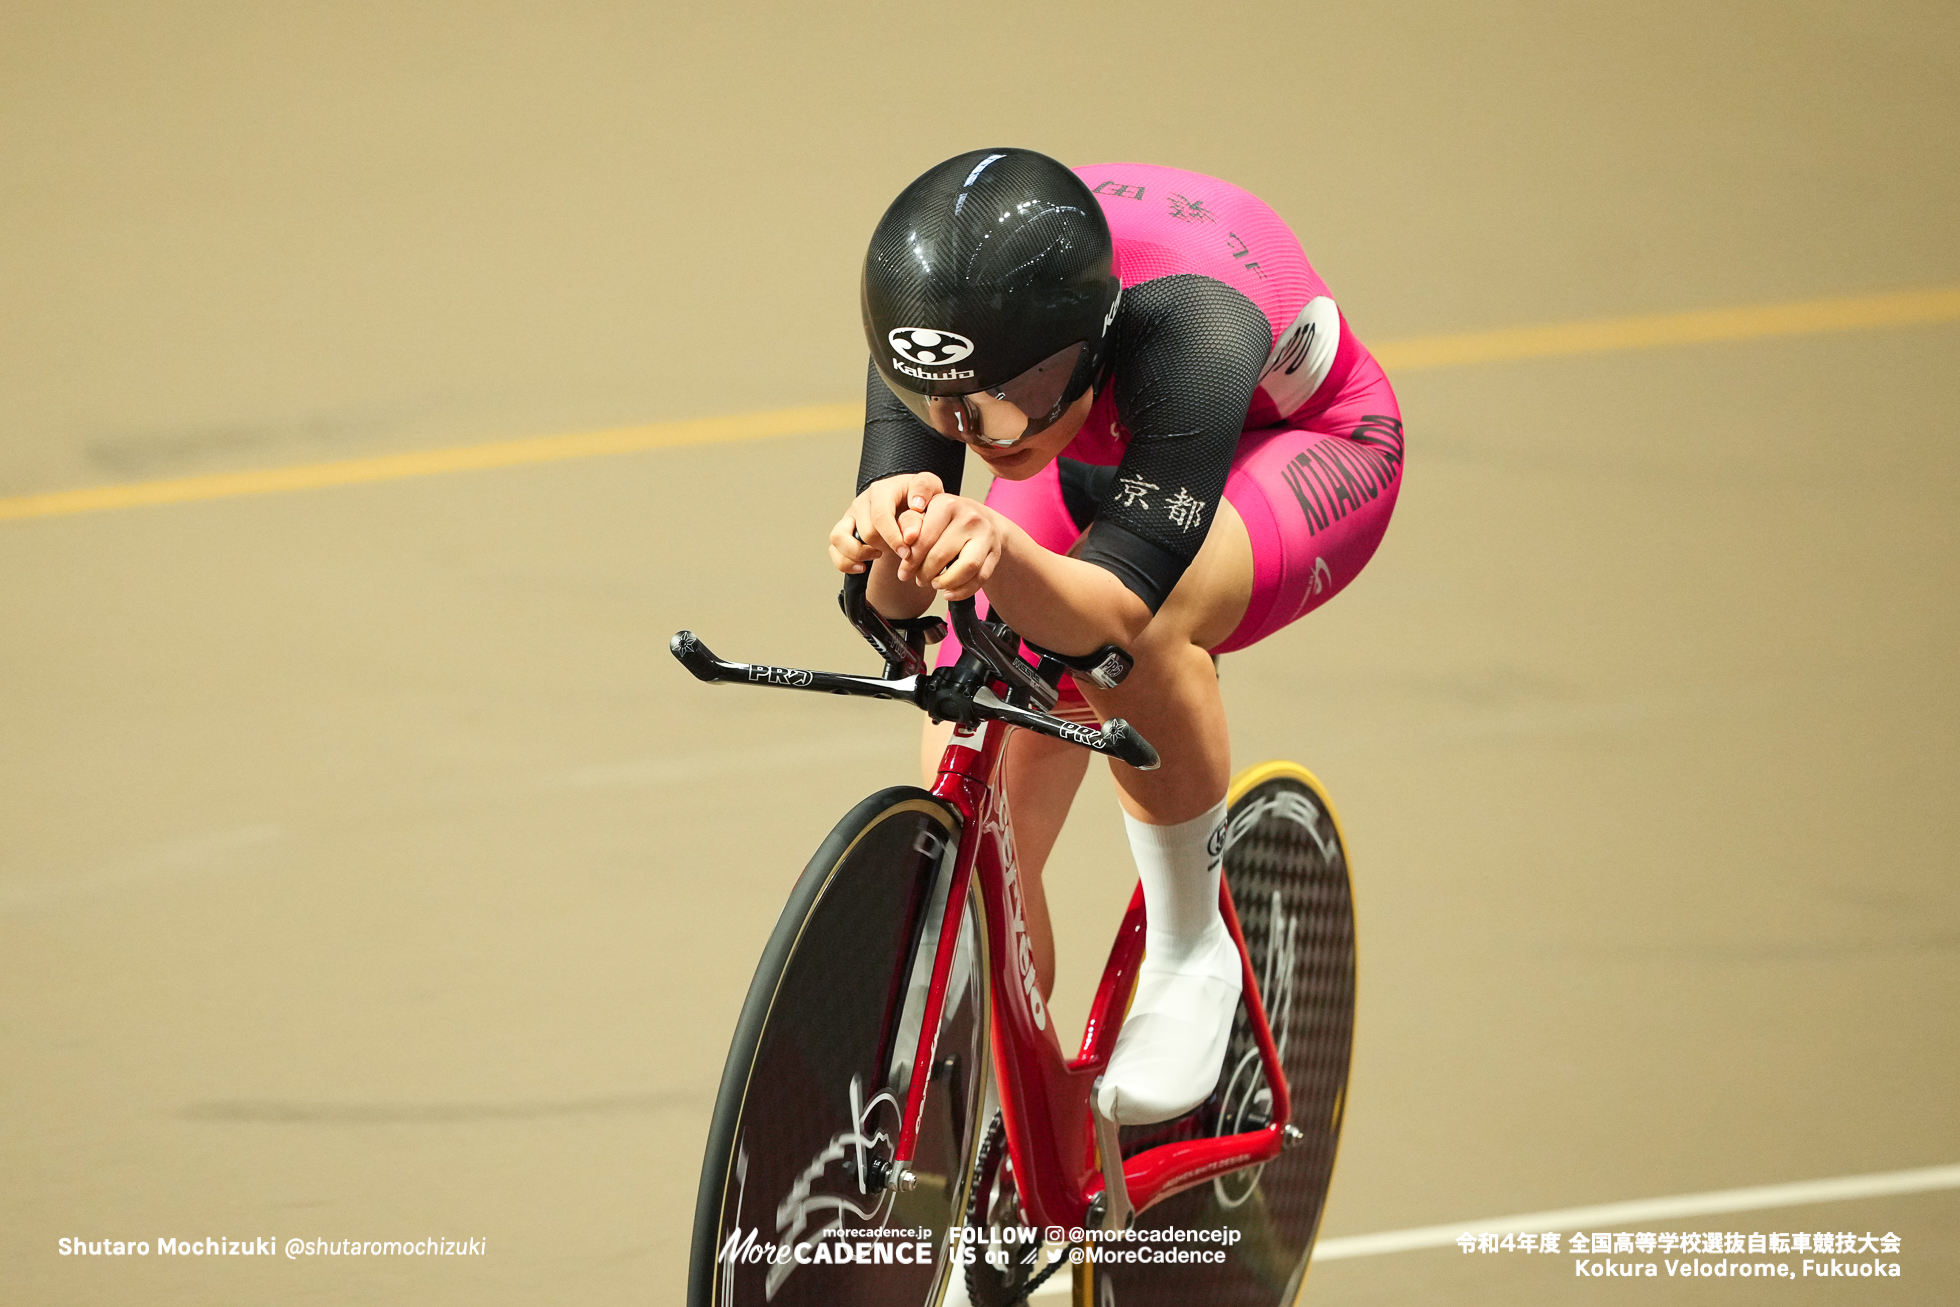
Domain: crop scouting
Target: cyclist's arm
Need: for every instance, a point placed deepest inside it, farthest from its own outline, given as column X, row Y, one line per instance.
column 1062, row 603
column 896, row 441
column 1189, row 353
column 902, row 463
column 961, row 545
column 1190, row 350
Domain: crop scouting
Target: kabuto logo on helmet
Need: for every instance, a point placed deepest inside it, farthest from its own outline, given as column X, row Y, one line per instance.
column 926, row 346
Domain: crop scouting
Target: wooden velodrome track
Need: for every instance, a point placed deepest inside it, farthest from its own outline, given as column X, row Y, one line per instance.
column 367, row 871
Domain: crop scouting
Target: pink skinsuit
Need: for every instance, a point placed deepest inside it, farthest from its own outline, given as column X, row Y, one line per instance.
column 1316, row 474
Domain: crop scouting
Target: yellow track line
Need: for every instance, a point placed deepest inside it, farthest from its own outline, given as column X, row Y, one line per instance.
column 1651, row 331
column 806, row 420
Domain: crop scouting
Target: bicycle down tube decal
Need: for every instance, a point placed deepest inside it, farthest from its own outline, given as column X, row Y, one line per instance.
column 1019, row 947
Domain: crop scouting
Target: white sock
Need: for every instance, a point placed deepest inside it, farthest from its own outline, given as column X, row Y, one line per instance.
column 1173, row 1041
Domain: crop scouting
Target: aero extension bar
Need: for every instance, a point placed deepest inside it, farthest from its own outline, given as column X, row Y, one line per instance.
column 964, row 692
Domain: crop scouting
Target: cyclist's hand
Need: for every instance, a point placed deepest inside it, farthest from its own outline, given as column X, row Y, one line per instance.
column 956, row 546
column 886, row 518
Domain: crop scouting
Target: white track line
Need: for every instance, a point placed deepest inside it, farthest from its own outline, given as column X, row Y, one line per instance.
column 1759, row 1198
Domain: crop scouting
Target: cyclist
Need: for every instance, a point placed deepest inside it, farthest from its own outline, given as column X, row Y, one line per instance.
column 1190, row 450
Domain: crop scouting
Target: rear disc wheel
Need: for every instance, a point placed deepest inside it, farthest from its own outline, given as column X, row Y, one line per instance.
column 1287, row 867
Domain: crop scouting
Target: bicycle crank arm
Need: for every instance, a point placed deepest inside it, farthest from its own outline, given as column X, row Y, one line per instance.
column 1117, row 738
column 1114, row 1201
column 701, row 660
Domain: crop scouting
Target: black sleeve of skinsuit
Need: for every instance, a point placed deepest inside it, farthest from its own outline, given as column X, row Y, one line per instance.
column 895, row 441
column 1189, row 350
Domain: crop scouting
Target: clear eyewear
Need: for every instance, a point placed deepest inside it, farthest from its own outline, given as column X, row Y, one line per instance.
column 1002, row 416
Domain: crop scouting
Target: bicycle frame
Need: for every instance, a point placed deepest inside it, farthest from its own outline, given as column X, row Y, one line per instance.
column 1044, row 1096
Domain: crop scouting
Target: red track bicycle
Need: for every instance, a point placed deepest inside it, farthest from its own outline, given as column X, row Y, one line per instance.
column 854, row 1156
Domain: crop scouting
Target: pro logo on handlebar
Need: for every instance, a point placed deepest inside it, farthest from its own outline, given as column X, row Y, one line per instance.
column 794, row 677
column 1081, row 735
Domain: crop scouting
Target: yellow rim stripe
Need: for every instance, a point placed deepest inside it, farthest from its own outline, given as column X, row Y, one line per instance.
column 1261, row 772
column 1705, row 326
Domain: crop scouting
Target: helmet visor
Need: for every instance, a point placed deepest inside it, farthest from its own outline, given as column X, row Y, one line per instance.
column 1009, row 413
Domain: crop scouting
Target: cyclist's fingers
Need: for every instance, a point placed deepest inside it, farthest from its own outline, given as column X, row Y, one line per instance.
column 866, row 517
column 964, row 523
column 921, row 531
column 884, row 499
column 848, row 552
column 943, row 530
column 855, row 530
column 970, row 571
column 922, row 489
column 910, row 525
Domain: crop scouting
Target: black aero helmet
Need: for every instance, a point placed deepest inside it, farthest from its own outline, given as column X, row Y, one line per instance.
column 988, row 294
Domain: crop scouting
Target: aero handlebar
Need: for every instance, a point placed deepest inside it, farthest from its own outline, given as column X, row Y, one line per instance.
column 964, row 692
